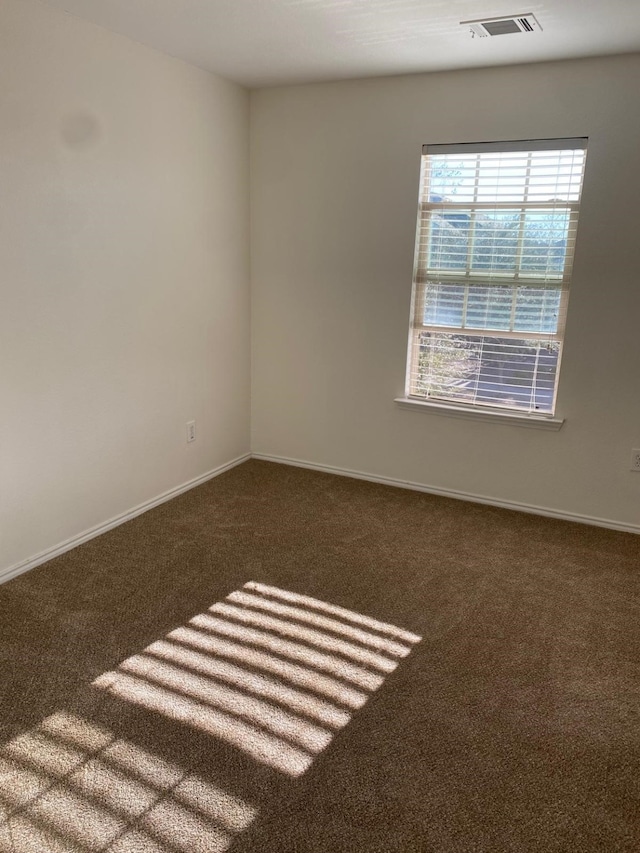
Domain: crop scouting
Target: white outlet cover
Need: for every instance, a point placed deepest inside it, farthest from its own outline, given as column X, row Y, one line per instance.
column 635, row 459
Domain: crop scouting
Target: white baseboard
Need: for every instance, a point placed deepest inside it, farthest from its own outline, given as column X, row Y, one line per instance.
column 50, row 553
column 450, row 493
column 57, row 550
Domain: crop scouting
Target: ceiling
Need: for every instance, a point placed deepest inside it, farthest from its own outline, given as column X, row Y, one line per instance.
column 270, row 42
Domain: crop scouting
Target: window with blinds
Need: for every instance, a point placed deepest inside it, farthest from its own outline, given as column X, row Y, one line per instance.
column 494, row 249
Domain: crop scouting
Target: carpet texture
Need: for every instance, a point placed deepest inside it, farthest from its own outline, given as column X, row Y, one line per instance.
column 283, row 660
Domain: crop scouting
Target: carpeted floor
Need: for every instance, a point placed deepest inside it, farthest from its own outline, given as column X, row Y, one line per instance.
column 508, row 722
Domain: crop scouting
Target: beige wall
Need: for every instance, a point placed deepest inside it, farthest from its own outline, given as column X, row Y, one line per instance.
column 334, row 192
column 124, row 308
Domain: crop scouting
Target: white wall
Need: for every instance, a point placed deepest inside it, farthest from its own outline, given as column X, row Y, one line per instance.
column 334, row 193
column 124, row 309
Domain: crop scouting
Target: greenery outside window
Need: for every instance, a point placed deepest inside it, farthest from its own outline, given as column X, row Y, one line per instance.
column 494, row 250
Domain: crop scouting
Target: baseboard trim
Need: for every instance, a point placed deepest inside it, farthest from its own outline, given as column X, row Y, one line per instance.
column 92, row 533
column 451, row 493
column 99, row 529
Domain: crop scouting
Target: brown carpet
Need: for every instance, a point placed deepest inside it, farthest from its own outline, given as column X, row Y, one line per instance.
column 512, row 725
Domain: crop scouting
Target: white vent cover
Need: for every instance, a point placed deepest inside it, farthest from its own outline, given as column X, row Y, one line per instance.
column 525, row 23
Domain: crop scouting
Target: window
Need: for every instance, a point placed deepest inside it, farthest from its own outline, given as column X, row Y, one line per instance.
column 494, row 249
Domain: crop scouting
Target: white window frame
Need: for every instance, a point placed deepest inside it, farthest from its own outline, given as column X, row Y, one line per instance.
column 422, row 274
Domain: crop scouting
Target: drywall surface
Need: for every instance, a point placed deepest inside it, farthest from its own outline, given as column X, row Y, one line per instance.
column 123, row 274
column 334, row 197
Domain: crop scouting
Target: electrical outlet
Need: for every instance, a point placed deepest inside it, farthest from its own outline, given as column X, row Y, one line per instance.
column 635, row 459
column 191, row 433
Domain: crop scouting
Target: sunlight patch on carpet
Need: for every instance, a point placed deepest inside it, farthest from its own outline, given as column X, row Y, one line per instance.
column 72, row 786
column 272, row 672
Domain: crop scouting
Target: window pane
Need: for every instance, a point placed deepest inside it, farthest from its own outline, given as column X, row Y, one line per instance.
column 447, row 366
column 493, row 371
column 544, row 245
column 537, row 310
column 502, row 177
column 489, row 308
column 452, row 178
column 444, row 304
column 504, row 307
column 495, row 241
column 556, row 175
column 449, row 240
column 507, row 176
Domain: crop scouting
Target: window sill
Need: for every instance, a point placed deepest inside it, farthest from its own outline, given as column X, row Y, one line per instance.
column 492, row 416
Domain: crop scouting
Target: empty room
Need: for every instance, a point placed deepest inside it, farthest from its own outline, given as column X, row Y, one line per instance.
column 319, row 426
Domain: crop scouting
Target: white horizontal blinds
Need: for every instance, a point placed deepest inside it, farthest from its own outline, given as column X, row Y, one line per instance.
column 496, row 234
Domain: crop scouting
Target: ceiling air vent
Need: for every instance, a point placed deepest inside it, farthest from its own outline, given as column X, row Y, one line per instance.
column 526, row 23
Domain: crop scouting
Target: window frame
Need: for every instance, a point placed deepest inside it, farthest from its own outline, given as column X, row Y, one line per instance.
column 468, row 278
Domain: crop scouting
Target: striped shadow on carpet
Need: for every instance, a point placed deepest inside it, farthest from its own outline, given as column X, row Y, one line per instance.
column 272, row 673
